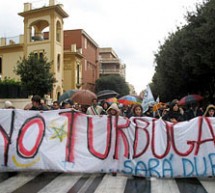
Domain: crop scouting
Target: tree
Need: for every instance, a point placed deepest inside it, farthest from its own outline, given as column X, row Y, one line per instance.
column 112, row 82
column 185, row 62
column 35, row 74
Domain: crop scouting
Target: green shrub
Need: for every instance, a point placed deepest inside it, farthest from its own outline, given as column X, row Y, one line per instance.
column 11, row 88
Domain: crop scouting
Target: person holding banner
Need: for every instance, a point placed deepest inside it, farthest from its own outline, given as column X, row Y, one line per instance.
column 113, row 110
column 105, row 105
column 174, row 114
column 94, row 109
column 55, row 105
column 210, row 111
column 37, row 105
column 8, row 105
column 149, row 112
column 137, row 110
column 193, row 110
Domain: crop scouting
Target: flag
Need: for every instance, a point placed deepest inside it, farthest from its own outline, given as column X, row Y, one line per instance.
column 158, row 99
column 148, row 99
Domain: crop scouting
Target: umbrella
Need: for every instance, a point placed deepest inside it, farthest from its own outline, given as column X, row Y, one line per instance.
column 105, row 94
column 128, row 100
column 112, row 100
column 66, row 95
column 83, row 97
column 189, row 99
column 138, row 98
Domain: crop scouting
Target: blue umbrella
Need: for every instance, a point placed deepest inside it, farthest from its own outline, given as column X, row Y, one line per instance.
column 67, row 95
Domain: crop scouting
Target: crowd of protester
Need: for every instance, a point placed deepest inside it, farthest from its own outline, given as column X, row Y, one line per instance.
column 172, row 112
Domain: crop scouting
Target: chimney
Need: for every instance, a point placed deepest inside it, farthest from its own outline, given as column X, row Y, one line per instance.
column 3, row 42
column 27, row 6
column 51, row 2
column 80, row 50
column 73, row 47
column 21, row 39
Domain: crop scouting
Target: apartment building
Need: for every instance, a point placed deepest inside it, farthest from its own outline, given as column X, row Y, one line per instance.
column 80, row 41
column 110, row 64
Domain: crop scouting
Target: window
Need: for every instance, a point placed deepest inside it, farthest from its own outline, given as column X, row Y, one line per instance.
column 78, row 75
column 85, row 65
column 85, row 43
column 58, row 62
column 58, row 95
column 58, row 32
column 39, row 54
column 36, row 54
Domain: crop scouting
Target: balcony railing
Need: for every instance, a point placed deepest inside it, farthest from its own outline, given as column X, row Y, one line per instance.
column 110, row 60
column 112, row 71
column 12, row 40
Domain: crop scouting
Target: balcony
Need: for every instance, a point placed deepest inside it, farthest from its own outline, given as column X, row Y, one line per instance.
column 110, row 60
column 110, row 71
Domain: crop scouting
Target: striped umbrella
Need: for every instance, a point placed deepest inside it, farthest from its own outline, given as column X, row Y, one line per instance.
column 128, row 100
column 112, row 100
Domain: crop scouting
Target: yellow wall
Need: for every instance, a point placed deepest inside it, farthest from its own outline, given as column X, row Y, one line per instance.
column 70, row 71
column 9, row 61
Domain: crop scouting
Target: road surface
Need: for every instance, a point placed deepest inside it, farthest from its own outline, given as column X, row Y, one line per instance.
column 50, row 182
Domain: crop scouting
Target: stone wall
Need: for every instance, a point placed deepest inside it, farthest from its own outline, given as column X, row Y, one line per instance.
column 17, row 103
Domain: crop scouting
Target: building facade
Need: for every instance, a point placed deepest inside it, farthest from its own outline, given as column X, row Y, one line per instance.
column 80, row 41
column 110, row 64
column 74, row 53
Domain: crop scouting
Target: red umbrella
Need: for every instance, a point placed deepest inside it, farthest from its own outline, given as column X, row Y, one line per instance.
column 83, row 97
column 189, row 99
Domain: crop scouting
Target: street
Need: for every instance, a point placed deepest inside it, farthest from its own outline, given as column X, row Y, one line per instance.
column 48, row 182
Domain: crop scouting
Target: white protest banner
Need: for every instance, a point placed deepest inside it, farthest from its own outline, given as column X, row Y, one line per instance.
column 69, row 141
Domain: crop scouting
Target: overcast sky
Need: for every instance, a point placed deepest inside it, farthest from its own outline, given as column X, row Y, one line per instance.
column 133, row 28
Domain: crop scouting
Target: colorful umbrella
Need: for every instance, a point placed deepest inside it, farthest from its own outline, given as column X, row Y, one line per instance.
column 83, row 97
column 112, row 100
column 128, row 100
column 138, row 98
column 189, row 99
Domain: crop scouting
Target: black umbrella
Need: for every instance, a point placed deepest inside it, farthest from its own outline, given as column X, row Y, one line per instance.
column 105, row 94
